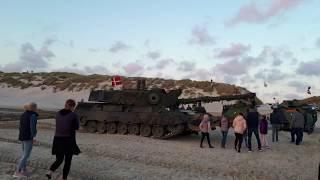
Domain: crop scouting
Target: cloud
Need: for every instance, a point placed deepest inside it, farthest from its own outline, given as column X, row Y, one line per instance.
column 301, row 87
column 201, row 36
column 186, row 66
column 30, row 58
column 133, row 68
column 250, row 13
column 235, row 50
column 153, row 54
column 94, row 50
column 291, row 96
column 200, row 74
column 163, row 63
column 310, row 68
column 229, row 79
column 95, row 69
column 276, row 62
column 118, row 46
column 318, row 42
column 271, row 75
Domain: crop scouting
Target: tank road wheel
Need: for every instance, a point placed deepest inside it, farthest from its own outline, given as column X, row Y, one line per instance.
column 111, row 128
column 134, row 129
column 122, row 128
column 154, row 98
column 92, row 126
column 157, row 131
column 145, row 130
column 101, row 127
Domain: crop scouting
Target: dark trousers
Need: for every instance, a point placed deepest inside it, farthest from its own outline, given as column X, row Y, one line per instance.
column 296, row 135
column 224, row 138
column 58, row 162
column 203, row 134
column 256, row 133
column 238, row 141
column 275, row 132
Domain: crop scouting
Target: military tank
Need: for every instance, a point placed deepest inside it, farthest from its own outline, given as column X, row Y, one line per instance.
column 146, row 112
column 287, row 108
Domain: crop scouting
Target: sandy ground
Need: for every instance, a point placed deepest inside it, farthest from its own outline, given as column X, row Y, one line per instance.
column 133, row 157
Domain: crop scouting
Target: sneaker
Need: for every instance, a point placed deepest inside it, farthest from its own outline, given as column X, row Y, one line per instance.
column 260, row 150
column 249, row 151
column 18, row 175
column 48, row 175
column 211, row 146
column 201, row 146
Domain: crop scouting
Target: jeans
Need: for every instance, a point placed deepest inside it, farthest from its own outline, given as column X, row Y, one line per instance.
column 275, row 131
column 202, row 138
column 296, row 132
column 224, row 138
column 238, row 141
column 58, row 162
column 26, row 151
column 245, row 136
column 256, row 133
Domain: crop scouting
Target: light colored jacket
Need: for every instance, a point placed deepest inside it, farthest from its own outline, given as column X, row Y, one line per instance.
column 205, row 126
column 239, row 124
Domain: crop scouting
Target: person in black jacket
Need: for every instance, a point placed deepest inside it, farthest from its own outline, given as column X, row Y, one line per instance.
column 64, row 142
column 27, row 133
column 253, row 124
column 276, row 119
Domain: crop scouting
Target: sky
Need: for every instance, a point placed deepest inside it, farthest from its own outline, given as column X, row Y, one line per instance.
column 248, row 43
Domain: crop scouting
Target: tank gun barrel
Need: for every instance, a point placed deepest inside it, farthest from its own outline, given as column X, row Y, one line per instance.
column 208, row 99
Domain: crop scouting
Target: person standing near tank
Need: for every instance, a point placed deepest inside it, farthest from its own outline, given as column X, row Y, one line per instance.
column 64, row 142
column 27, row 133
column 253, row 124
column 239, row 126
column 276, row 119
column 204, row 129
column 224, row 126
column 297, row 126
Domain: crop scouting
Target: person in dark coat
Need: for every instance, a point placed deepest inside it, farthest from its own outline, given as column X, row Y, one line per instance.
column 64, row 142
column 276, row 119
column 297, row 126
column 27, row 133
column 253, row 124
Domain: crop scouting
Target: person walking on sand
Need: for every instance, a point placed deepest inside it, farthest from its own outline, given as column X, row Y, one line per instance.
column 297, row 126
column 239, row 126
column 224, row 126
column 253, row 124
column 205, row 128
column 263, row 132
column 64, row 142
column 276, row 119
column 27, row 133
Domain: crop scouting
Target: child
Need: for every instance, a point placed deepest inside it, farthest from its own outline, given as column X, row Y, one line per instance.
column 239, row 126
column 264, row 132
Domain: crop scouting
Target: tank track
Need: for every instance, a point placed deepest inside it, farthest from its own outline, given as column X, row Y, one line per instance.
column 169, row 131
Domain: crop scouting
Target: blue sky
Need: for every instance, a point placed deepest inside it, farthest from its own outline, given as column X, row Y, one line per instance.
column 242, row 42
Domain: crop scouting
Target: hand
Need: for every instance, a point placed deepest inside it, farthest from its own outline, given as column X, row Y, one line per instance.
column 35, row 142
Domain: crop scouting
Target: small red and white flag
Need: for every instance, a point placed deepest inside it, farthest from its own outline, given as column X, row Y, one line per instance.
column 117, row 82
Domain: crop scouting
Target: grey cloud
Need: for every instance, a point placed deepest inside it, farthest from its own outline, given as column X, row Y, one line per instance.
column 229, row 79
column 186, row 66
column 271, row 75
column 97, row 69
column 309, row 68
column 276, row 62
column 235, row 50
column 30, row 58
column 291, row 96
column 153, row 54
column 118, row 46
column 198, row 74
column 300, row 87
column 163, row 63
column 201, row 36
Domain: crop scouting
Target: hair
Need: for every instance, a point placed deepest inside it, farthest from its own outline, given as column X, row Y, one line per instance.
column 71, row 103
column 241, row 114
column 32, row 106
